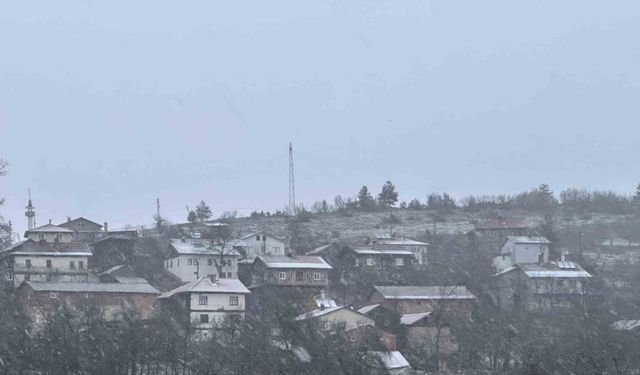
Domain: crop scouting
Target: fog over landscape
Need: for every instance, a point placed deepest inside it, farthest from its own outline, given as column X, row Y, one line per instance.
column 106, row 106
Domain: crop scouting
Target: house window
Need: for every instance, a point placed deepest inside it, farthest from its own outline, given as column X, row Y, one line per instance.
column 317, row 276
column 72, row 264
column 49, row 263
column 171, row 263
column 233, row 301
column 27, row 263
column 264, row 238
column 282, row 275
column 80, row 265
column 53, row 295
column 41, row 236
column 27, row 277
column 276, row 249
column 204, row 300
column 10, row 276
column 58, row 236
column 357, row 262
column 399, row 262
column 210, row 262
column 369, row 261
column 258, row 238
column 559, row 283
column 86, row 295
column 204, row 318
column 190, row 261
column 299, row 276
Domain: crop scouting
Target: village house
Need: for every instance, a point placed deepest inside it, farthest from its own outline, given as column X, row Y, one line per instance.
column 192, row 259
column 49, row 233
column 339, row 317
column 420, row 250
column 84, row 229
column 260, row 243
column 112, row 250
column 44, row 261
column 417, row 299
column 541, row 286
column 290, row 270
column 207, row 302
column 113, row 299
column 522, row 249
column 394, row 362
column 490, row 235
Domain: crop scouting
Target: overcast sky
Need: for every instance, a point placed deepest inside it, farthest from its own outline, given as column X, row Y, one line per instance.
column 106, row 105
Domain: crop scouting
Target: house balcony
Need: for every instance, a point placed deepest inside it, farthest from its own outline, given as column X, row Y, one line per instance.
column 24, row 270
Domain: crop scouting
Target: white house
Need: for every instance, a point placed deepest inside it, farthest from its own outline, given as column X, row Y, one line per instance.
column 49, row 233
column 208, row 301
column 520, row 250
column 419, row 249
column 330, row 317
column 260, row 243
column 44, row 261
column 192, row 259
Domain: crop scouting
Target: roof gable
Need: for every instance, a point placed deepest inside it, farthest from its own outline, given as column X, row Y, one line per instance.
column 81, row 223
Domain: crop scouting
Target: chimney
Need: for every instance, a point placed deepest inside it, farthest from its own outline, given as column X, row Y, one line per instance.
column 563, row 258
column 106, row 227
column 49, row 221
column 213, row 278
column 323, row 295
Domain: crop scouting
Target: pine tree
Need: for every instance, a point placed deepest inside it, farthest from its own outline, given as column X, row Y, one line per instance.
column 192, row 217
column 365, row 200
column 388, row 196
column 203, row 212
column 636, row 197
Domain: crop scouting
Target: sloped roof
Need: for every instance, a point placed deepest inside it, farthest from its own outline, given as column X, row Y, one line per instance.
column 145, row 288
column 528, row 239
column 200, row 247
column 393, row 360
column 370, row 251
column 79, row 219
column 425, row 292
column 204, row 285
column 402, row 242
column 31, row 247
column 49, row 228
column 409, row 319
column 318, row 312
column 368, row 309
column 260, row 233
column 503, row 223
column 293, row 261
column 552, row 270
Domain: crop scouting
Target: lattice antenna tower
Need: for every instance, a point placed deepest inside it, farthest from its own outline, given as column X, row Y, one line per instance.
column 292, row 185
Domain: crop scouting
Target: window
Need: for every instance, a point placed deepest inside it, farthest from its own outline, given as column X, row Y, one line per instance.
column 299, row 276
column 171, row 263
column 210, row 262
column 204, row 300
column 233, row 301
column 49, row 263
column 86, row 295
column 399, row 262
column 357, row 262
column 264, row 238
column 27, row 263
column 53, row 295
column 10, row 276
column 369, row 261
column 204, row 318
column 190, row 261
column 58, row 236
column 80, row 265
column 559, row 283
column 282, row 275
column 258, row 238
column 276, row 249
column 26, row 277
column 41, row 236
column 317, row 276
column 72, row 264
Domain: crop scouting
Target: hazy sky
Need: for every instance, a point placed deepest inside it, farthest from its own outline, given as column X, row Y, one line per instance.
column 106, row 105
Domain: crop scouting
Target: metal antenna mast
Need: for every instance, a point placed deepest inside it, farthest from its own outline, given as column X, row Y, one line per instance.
column 292, row 187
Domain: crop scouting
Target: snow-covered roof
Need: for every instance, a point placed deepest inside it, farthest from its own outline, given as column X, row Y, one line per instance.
column 528, row 239
column 367, row 309
column 145, row 288
column 402, row 242
column 37, row 248
column 245, row 237
column 425, row 292
column 318, row 312
column 393, row 360
column 205, row 285
column 294, row 261
column 200, row 247
column 370, row 251
column 626, row 325
column 325, row 302
column 49, row 228
column 552, row 270
column 409, row 319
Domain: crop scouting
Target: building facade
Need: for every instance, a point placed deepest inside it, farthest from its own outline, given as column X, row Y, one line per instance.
column 192, row 259
column 260, row 243
column 291, row 270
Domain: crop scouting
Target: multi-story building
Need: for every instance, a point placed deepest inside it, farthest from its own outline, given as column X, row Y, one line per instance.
column 490, row 235
column 44, row 261
column 290, row 270
column 260, row 243
column 49, row 233
column 85, row 229
column 207, row 302
column 192, row 259
column 522, row 249
column 418, row 299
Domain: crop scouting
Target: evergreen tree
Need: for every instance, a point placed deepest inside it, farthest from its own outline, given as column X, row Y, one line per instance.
column 203, row 211
column 192, row 217
column 365, row 200
column 388, row 196
column 636, row 197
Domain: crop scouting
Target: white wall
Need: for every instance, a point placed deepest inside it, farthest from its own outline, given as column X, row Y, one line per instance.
column 217, row 308
column 180, row 266
column 39, row 263
column 254, row 247
column 50, row 237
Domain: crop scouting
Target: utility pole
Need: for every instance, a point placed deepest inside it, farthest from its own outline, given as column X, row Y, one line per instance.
column 292, row 188
column 158, row 207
